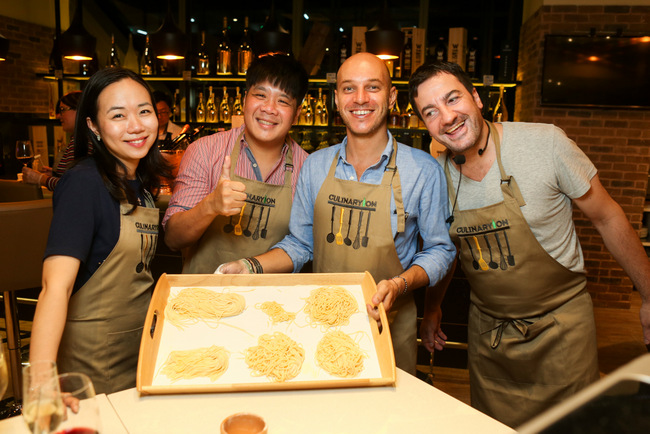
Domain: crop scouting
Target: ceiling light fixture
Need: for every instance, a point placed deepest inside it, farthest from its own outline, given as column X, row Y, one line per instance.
column 169, row 41
column 272, row 37
column 4, row 48
column 76, row 43
column 385, row 40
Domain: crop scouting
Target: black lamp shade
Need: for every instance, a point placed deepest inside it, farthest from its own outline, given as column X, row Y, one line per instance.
column 272, row 37
column 385, row 39
column 4, row 48
column 169, row 42
column 76, row 43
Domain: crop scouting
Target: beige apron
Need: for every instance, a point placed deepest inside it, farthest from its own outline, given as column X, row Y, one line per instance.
column 106, row 316
column 264, row 222
column 351, row 208
column 532, row 337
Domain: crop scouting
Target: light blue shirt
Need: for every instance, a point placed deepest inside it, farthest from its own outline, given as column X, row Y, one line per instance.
column 424, row 192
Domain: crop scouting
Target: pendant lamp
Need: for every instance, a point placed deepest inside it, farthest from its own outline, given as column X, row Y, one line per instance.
column 4, row 48
column 76, row 43
column 169, row 41
column 272, row 37
column 385, row 40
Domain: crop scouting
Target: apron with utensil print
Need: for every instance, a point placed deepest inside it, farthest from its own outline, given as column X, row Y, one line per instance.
column 106, row 315
column 262, row 222
column 352, row 233
column 532, row 337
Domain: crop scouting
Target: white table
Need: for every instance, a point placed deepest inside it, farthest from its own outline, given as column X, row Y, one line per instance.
column 413, row 406
column 111, row 423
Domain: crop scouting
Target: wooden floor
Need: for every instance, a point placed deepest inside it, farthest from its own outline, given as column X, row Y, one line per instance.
column 620, row 340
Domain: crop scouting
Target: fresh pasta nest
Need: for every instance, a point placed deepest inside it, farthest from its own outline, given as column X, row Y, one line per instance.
column 209, row 362
column 192, row 305
column 338, row 354
column 276, row 356
column 331, row 305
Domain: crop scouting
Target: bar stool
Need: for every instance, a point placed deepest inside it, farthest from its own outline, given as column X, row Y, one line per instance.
column 24, row 228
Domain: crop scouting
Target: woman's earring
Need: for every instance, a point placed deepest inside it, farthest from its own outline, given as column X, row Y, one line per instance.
column 99, row 138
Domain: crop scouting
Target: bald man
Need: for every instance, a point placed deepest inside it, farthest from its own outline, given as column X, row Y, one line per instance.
column 381, row 195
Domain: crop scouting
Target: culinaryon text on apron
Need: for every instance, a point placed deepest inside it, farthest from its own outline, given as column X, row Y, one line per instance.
column 531, row 329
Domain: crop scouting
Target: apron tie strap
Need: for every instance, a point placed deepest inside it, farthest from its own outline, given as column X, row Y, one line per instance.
column 497, row 332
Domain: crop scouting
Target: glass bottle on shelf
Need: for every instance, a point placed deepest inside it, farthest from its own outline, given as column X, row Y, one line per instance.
column 131, row 57
column 324, row 115
column 500, row 113
column 472, row 58
column 146, row 63
column 407, row 58
column 394, row 117
column 244, row 51
column 318, row 109
column 409, row 118
column 210, row 109
column 200, row 109
column 307, row 111
column 344, row 49
column 440, row 50
column 56, row 60
column 237, row 108
column 224, row 109
column 202, row 58
column 224, row 53
column 114, row 58
column 176, row 110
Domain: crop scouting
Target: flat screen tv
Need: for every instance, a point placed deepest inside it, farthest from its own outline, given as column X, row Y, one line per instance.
column 596, row 71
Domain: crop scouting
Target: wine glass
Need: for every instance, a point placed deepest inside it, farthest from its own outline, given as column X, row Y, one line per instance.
column 24, row 152
column 42, row 406
column 4, row 374
column 81, row 412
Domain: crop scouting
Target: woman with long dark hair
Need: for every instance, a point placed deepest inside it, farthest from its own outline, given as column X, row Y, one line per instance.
column 96, row 277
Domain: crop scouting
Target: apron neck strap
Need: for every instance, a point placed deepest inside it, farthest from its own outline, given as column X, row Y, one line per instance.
column 288, row 160
column 506, row 181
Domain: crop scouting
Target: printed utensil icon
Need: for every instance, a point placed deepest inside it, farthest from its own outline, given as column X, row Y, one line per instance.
column 511, row 259
column 266, row 223
column 256, row 233
column 330, row 236
column 356, row 239
column 347, row 239
column 364, row 240
column 502, row 261
column 481, row 261
column 140, row 266
column 238, row 230
column 228, row 227
column 474, row 261
column 492, row 264
column 247, row 231
column 339, row 235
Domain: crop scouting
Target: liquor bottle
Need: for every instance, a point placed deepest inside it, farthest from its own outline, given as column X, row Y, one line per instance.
column 237, row 107
column 244, row 51
column 131, row 57
column 344, row 49
column 114, row 58
column 472, row 58
column 224, row 109
column 146, row 63
column 324, row 114
column 306, row 112
column 210, row 108
column 500, row 113
column 224, row 53
column 318, row 109
column 202, row 58
column 409, row 118
column 183, row 109
column 200, row 109
column 56, row 60
column 394, row 116
column 176, row 110
column 440, row 51
column 407, row 58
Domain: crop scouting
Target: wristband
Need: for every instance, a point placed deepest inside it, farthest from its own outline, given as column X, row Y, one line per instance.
column 406, row 285
column 257, row 265
column 248, row 265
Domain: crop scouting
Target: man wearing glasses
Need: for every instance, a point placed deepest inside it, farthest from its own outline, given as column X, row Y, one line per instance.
column 167, row 130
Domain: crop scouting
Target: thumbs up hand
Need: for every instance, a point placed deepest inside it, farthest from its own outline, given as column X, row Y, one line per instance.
column 229, row 196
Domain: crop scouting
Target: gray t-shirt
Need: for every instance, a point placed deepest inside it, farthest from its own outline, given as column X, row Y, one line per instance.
column 550, row 170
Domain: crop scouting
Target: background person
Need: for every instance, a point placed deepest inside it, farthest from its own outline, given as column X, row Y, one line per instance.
column 532, row 337
column 167, row 130
column 382, row 194
column 233, row 193
column 66, row 112
column 96, row 278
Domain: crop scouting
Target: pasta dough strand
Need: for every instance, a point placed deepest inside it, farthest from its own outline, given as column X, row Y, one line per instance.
column 276, row 312
column 331, row 305
column 192, row 305
column 338, row 354
column 209, row 362
column 276, row 356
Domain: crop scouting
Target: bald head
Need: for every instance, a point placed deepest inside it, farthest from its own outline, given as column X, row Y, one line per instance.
column 364, row 65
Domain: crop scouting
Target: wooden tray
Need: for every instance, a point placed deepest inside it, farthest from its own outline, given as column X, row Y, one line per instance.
column 155, row 324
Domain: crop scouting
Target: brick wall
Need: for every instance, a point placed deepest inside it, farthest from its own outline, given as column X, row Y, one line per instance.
column 617, row 141
column 29, row 52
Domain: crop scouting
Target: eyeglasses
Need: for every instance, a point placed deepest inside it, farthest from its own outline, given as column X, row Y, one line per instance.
column 65, row 109
column 163, row 112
